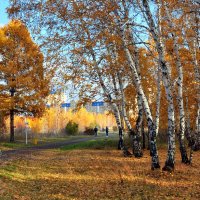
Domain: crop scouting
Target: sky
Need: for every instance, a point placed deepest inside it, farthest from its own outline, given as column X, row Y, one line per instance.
column 3, row 15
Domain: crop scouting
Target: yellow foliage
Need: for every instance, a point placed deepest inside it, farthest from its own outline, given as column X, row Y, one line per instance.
column 55, row 119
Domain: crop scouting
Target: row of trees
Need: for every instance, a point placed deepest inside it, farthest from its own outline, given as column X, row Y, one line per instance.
column 54, row 121
column 141, row 53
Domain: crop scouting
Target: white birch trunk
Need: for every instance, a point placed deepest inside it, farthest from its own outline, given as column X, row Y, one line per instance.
column 117, row 96
column 195, row 62
column 124, row 113
column 139, row 99
column 140, row 116
column 180, row 89
column 158, row 97
column 139, row 125
column 169, row 164
column 134, row 62
column 137, row 147
column 105, row 90
column 154, row 152
column 158, row 77
column 110, row 100
column 137, row 150
column 197, row 79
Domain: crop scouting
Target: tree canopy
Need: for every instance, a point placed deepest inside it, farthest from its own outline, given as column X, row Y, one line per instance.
column 21, row 71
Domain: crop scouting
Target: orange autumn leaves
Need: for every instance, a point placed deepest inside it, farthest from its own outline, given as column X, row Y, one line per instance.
column 21, row 66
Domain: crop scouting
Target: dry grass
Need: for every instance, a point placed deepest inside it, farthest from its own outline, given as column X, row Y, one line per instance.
column 95, row 174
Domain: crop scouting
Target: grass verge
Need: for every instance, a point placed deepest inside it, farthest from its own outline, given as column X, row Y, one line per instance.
column 105, row 143
column 18, row 144
column 14, row 145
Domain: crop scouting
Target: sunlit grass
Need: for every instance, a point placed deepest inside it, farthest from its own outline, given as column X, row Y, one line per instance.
column 93, row 144
column 13, row 145
column 40, row 141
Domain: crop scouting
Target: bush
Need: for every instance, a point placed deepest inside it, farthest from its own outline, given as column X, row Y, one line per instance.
column 71, row 128
column 88, row 131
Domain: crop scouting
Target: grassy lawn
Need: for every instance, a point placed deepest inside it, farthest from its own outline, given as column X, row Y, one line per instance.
column 95, row 170
column 21, row 143
column 92, row 144
column 15, row 145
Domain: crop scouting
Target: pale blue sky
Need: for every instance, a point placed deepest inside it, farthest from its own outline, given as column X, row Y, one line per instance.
column 3, row 15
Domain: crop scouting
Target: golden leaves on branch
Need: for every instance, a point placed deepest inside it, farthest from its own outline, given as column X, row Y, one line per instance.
column 22, row 68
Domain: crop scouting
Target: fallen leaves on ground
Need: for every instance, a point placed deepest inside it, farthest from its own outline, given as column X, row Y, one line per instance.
column 95, row 174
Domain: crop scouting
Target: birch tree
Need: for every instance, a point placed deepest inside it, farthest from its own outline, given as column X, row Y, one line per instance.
column 179, row 84
column 191, row 24
column 169, row 164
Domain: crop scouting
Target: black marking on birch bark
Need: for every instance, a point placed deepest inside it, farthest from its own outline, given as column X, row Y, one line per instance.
column 143, row 136
column 137, row 150
column 126, row 152
column 153, row 146
column 182, row 146
column 169, row 166
column 137, row 147
column 121, row 139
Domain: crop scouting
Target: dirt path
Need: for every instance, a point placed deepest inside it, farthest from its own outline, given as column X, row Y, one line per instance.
column 6, row 154
column 52, row 145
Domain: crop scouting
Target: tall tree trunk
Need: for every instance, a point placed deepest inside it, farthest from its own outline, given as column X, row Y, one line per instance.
column 110, row 100
column 187, row 128
column 122, row 119
column 158, row 97
column 197, row 131
column 12, row 128
column 153, row 150
column 117, row 96
column 120, row 109
column 136, row 78
column 180, row 89
column 189, row 137
column 192, row 18
column 143, row 136
column 197, row 79
column 137, row 150
column 105, row 90
column 123, row 103
column 158, row 76
column 169, row 164
column 138, row 135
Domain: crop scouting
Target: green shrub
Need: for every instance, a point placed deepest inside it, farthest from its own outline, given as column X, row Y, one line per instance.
column 71, row 128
